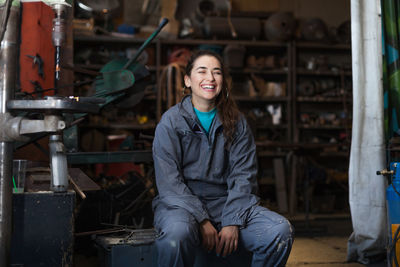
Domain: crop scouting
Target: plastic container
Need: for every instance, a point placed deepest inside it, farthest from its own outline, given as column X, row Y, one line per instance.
column 393, row 209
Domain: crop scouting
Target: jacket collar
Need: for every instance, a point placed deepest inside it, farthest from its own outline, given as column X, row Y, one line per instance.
column 187, row 110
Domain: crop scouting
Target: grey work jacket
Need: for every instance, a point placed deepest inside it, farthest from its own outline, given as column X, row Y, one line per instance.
column 194, row 171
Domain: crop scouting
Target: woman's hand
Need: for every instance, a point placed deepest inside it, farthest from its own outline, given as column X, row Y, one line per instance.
column 209, row 235
column 228, row 239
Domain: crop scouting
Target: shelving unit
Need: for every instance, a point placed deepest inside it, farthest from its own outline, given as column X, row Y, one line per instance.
column 93, row 53
column 322, row 104
column 298, row 129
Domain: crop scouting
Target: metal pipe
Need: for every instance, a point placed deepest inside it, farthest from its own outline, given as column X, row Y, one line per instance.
column 59, row 167
column 8, row 63
column 6, row 150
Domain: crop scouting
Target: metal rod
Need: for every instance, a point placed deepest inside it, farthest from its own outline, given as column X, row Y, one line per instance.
column 6, row 150
column 8, row 63
column 57, row 61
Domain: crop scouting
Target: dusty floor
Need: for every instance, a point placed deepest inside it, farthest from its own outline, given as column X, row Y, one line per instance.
column 329, row 251
column 320, row 251
column 321, row 241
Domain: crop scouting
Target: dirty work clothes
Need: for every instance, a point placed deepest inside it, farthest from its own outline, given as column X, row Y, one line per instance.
column 267, row 235
column 197, row 173
column 198, row 178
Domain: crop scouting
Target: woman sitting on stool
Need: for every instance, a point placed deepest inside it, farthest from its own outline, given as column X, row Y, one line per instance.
column 205, row 165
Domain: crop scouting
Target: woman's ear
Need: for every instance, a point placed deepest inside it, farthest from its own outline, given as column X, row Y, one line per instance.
column 187, row 81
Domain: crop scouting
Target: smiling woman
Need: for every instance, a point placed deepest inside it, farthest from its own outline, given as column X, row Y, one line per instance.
column 205, row 163
column 215, row 87
column 205, row 81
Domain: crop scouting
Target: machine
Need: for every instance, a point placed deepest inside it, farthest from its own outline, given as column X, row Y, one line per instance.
column 54, row 109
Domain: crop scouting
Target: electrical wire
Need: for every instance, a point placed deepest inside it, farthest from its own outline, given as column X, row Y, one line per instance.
column 393, row 186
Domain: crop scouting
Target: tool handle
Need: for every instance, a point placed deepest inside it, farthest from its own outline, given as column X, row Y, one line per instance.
column 144, row 45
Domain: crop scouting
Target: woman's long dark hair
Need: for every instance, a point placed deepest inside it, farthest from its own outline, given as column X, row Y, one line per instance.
column 226, row 106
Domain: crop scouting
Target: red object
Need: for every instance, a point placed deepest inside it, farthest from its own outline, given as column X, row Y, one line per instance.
column 36, row 30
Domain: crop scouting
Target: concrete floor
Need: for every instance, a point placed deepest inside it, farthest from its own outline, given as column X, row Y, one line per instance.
column 322, row 241
column 320, row 251
column 329, row 251
column 319, row 241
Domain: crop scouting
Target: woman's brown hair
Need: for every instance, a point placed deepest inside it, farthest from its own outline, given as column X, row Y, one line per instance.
column 226, row 106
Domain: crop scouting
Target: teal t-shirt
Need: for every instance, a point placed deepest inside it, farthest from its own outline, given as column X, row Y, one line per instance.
column 206, row 118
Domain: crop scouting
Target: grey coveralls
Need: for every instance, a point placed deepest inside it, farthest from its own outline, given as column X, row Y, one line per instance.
column 197, row 179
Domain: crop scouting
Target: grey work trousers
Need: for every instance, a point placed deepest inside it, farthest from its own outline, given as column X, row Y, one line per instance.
column 266, row 240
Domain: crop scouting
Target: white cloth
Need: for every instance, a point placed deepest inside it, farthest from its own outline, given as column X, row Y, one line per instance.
column 366, row 189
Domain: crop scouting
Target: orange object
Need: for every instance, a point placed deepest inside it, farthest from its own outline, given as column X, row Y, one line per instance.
column 36, row 30
column 394, row 229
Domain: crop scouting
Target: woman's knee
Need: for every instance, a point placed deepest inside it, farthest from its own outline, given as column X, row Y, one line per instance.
column 284, row 230
column 179, row 232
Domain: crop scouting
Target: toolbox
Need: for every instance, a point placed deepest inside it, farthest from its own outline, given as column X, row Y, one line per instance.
column 133, row 248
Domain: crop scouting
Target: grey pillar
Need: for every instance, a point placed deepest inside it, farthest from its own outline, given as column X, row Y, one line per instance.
column 8, row 63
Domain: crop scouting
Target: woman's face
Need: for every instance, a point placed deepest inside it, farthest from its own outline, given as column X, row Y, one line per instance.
column 205, row 81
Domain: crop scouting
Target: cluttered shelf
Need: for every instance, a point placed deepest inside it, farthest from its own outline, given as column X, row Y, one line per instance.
column 118, row 126
column 323, row 46
column 323, row 127
column 261, row 98
column 259, row 71
column 99, row 66
column 254, row 43
column 107, row 39
column 320, row 99
column 191, row 42
column 336, row 72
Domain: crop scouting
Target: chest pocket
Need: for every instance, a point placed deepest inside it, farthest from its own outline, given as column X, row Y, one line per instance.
column 191, row 144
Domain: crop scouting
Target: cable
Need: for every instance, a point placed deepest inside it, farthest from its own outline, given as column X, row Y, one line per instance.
column 392, row 184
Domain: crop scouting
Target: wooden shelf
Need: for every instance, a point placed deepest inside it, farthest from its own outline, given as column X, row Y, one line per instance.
column 322, row 127
column 261, row 98
column 259, row 71
column 322, row 46
column 252, row 43
column 302, row 71
column 108, row 39
column 335, row 154
column 320, row 99
column 99, row 66
column 125, row 126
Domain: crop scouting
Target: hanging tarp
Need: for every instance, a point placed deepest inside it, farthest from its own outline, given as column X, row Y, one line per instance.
column 367, row 243
column 391, row 66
